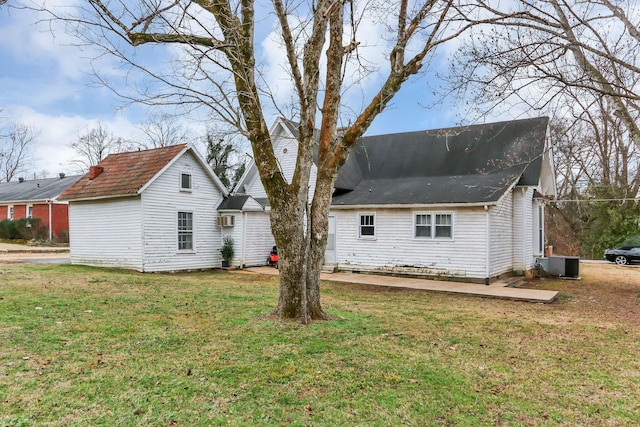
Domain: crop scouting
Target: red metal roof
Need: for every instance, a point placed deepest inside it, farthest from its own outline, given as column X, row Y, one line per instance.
column 123, row 174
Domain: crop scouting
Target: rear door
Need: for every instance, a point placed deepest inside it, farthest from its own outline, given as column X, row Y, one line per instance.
column 330, row 251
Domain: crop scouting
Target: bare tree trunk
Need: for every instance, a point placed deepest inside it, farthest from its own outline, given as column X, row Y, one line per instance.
column 300, row 230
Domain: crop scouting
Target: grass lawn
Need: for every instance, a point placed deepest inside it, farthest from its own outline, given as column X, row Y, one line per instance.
column 87, row 346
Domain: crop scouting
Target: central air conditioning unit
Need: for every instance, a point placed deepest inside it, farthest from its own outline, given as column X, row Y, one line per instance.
column 564, row 266
column 226, row 220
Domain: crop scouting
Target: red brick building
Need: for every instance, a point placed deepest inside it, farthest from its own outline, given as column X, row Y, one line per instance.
column 38, row 199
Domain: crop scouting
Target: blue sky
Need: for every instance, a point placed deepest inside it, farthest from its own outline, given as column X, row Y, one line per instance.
column 46, row 81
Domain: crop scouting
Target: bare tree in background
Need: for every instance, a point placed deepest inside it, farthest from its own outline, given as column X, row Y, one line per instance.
column 598, row 173
column 219, row 72
column 96, row 144
column 580, row 61
column 550, row 46
column 17, row 144
column 162, row 130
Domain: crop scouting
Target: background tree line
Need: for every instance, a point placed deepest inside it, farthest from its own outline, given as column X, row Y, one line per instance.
column 597, row 171
column 19, row 144
column 578, row 63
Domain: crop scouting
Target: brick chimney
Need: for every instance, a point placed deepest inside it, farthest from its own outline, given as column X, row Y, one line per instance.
column 94, row 171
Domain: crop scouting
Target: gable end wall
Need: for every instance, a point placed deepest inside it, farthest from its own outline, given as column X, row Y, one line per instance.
column 162, row 201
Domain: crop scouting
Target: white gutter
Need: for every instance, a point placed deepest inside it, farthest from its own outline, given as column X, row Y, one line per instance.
column 87, row 199
column 416, row 206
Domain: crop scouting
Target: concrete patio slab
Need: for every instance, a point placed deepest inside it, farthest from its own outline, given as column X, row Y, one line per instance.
column 495, row 290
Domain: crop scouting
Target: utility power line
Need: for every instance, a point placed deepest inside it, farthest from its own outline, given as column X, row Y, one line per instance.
column 629, row 199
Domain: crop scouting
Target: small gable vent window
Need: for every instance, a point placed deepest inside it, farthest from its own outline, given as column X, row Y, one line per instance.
column 185, row 182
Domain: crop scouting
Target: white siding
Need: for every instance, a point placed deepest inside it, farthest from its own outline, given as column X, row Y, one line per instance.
column 502, row 241
column 255, row 228
column 162, row 201
column 286, row 151
column 258, row 237
column 523, row 244
column 396, row 246
column 235, row 233
column 106, row 233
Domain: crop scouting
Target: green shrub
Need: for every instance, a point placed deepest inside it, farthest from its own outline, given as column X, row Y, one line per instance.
column 23, row 228
column 227, row 250
column 31, row 229
column 8, row 229
column 63, row 237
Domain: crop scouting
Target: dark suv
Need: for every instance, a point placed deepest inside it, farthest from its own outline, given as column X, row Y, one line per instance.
column 623, row 255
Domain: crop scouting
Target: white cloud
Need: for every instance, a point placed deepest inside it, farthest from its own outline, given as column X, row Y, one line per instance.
column 52, row 152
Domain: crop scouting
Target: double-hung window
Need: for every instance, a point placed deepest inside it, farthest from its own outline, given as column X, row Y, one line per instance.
column 423, row 225
column 185, row 231
column 433, row 226
column 367, row 228
column 444, row 226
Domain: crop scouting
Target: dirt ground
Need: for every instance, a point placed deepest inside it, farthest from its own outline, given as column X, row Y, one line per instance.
column 605, row 291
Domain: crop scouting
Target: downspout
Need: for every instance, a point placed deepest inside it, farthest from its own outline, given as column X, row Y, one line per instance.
column 543, row 227
column 524, row 231
column 487, row 275
column 244, row 238
column 142, row 234
column 49, row 203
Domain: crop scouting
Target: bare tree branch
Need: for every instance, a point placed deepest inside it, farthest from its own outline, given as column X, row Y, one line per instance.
column 17, row 143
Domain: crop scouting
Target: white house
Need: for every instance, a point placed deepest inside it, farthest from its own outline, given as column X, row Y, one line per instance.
column 465, row 203
column 249, row 205
column 152, row 210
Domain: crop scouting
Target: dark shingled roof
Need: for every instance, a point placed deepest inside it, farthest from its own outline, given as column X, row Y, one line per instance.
column 233, row 203
column 124, row 174
column 35, row 190
column 470, row 164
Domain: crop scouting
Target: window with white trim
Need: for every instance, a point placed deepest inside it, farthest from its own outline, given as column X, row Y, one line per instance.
column 367, row 227
column 185, row 182
column 10, row 212
column 540, row 229
column 30, row 211
column 423, row 225
column 444, row 226
column 433, row 226
column 185, row 231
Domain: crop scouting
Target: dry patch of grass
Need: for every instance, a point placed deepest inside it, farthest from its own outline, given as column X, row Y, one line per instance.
column 83, row 346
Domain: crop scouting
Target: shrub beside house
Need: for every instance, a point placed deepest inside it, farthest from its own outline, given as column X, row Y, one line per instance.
column 23, row 200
